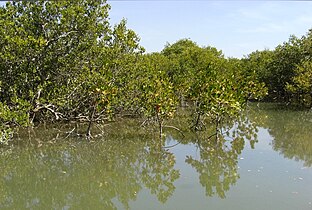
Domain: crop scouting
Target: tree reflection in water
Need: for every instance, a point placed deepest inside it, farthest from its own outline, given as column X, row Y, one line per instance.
column 290, row 129
column 158, row 176
column 217, row 166
column 110, row 173
column 75, row 176
column 291, row 136
column 218, row 163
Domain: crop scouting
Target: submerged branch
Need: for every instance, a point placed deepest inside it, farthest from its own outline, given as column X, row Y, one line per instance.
column 171, row 146
column 170, row 126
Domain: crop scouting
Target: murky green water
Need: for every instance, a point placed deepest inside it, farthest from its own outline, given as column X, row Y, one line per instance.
column 263, row 162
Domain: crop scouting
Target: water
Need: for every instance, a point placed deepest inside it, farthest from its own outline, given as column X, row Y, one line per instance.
column 264, row 163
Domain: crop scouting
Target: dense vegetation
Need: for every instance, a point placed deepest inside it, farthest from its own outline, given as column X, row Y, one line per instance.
column 64, row 61
column 286, row 70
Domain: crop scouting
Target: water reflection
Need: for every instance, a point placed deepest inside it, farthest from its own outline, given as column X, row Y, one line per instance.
column 290, row 130
column 110, row 173
column 217, row 165
column 75, row 176
column 158, row 176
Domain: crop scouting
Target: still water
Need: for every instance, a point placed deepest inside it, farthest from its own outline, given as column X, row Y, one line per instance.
column 263, row 161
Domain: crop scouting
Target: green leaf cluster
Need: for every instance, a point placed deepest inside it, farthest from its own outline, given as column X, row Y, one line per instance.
column 219, row 87
column 285, row 70
column 62, row 60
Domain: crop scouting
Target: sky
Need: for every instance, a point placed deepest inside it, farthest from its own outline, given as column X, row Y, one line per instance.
column 235, row 27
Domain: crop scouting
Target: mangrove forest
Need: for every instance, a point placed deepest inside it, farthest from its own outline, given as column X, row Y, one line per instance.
column 62, row 61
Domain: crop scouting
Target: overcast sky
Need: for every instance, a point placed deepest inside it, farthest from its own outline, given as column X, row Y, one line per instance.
column 235, row 27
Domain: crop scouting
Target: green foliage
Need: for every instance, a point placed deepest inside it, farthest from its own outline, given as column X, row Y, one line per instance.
column 301, row 85
column 12, row 116
column 219, row 87
column 156, row 96
column 181, row 55
column 284, row 70
column 62, row 60
column 285, row 59
column 259, row 63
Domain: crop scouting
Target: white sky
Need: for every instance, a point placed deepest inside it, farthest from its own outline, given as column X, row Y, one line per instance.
column 235, row 27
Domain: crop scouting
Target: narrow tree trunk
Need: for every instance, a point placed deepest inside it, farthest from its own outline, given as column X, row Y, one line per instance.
column 88, row 133
column 217, row 126
column 197, row 121
column 159, row 124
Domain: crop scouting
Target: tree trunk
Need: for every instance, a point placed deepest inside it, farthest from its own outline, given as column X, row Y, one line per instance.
column 159, row 124
column 217, row 126
column 88, row 133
